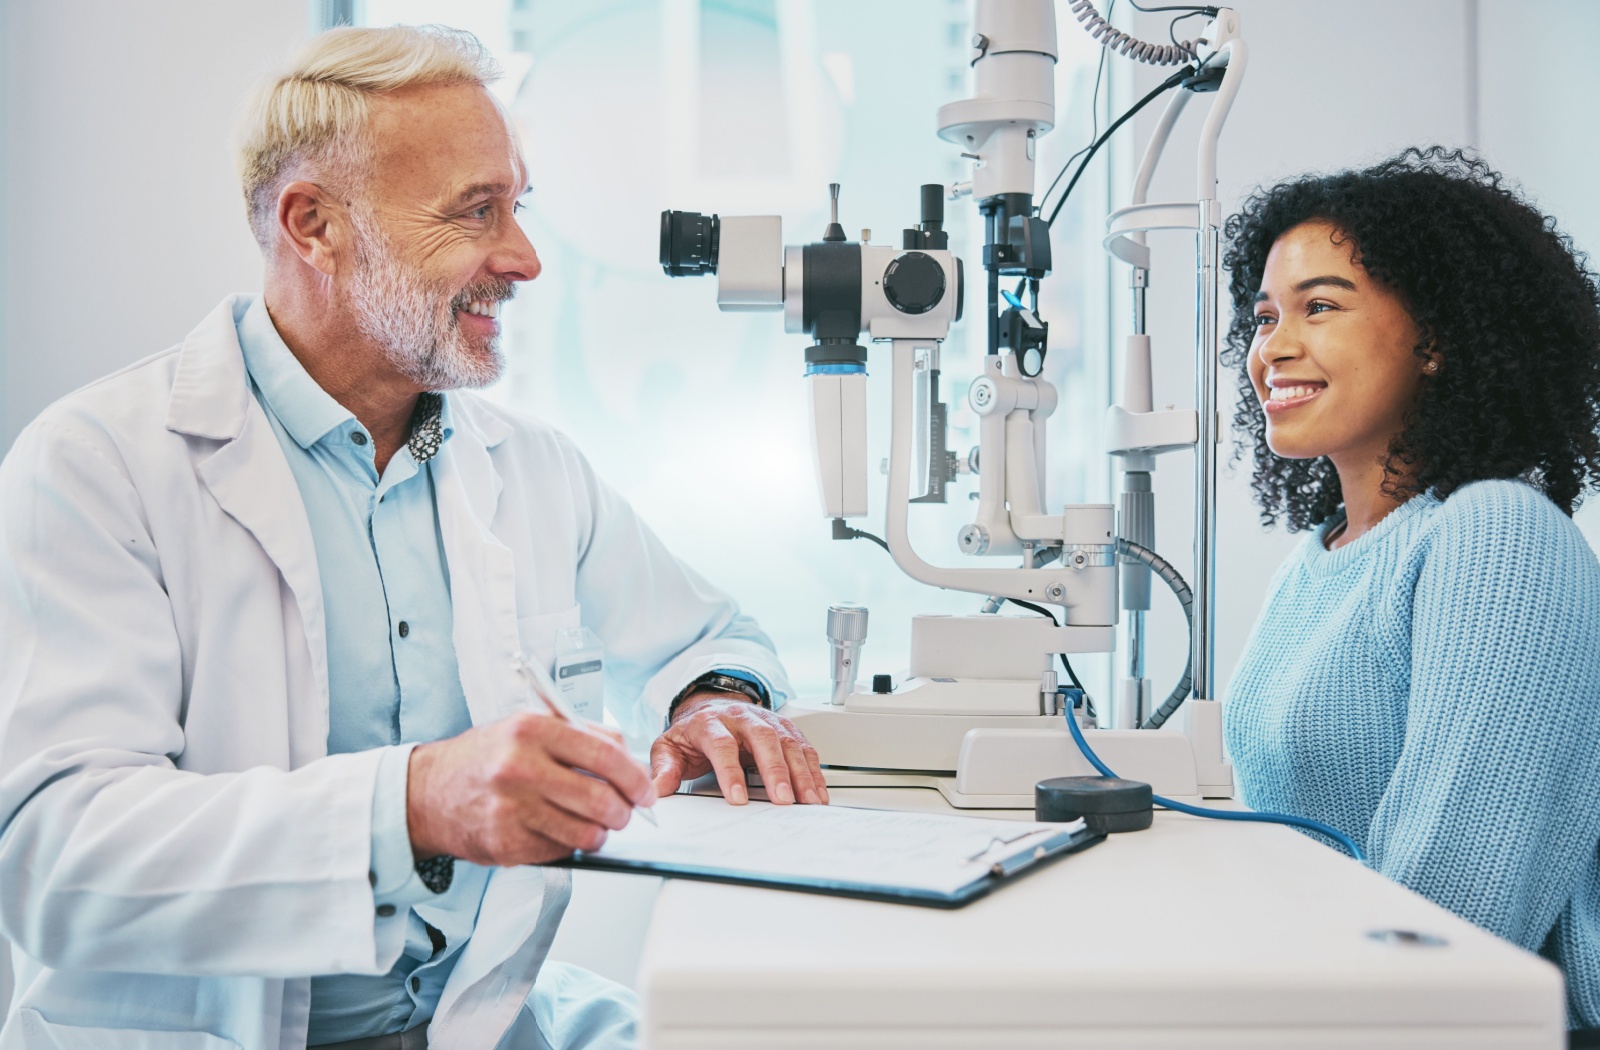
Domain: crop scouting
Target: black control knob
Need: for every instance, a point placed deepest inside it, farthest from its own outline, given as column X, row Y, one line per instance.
column 914, row 283
column 882, row 683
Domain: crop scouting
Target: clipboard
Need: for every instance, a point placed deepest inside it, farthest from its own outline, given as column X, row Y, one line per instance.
column 935, row 860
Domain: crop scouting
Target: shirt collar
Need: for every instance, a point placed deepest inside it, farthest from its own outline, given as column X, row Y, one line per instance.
column 446, row 419
column 306, row 411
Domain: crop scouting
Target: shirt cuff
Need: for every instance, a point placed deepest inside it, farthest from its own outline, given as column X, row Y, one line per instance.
column 394, row 870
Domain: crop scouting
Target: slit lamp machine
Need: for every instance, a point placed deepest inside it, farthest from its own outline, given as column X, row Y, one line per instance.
column 979, row 716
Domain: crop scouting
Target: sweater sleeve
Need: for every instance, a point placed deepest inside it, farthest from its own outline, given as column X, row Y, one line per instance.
column 1491, row 809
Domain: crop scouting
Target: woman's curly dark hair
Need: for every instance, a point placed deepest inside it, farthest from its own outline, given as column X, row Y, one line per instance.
column 1498, row 292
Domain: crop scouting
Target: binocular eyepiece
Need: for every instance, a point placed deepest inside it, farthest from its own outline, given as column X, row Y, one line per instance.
column 689, row 243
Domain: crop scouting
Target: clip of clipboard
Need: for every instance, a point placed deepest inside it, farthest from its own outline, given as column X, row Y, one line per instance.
column 933, row 860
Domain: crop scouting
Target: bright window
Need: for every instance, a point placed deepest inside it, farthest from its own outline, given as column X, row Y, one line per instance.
column 753, row 107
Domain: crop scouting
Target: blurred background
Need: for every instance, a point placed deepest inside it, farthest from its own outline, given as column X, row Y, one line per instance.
column 121, row 225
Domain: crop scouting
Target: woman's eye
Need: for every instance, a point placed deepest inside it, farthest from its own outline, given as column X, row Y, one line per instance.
column 1262, row 320
column 1317, row 307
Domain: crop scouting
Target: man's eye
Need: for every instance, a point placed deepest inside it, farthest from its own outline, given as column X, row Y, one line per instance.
column 517, row 207
column 482, row 211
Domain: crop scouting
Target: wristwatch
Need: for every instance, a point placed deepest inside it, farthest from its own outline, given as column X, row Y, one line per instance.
column 720, row 682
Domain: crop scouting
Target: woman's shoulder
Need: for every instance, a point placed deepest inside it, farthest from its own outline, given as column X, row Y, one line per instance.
column 1509, row 523
column 1503, row 508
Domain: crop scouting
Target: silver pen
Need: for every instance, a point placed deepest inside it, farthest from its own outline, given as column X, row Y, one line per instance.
column 558, row 706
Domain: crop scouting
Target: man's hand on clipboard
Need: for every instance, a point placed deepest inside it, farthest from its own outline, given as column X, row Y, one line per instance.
column 715, row 732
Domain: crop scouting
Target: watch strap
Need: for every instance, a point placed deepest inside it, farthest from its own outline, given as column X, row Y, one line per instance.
column 721, row 682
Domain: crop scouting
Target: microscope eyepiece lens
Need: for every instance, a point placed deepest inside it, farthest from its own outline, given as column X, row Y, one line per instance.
column 689, row 243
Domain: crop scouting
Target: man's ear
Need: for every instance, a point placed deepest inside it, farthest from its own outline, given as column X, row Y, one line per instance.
column 314, row 225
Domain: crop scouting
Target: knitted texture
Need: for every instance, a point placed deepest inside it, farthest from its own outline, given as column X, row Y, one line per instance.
column 1431, row 689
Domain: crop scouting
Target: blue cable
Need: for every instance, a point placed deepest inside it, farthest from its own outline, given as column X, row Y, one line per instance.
column 1220, row 814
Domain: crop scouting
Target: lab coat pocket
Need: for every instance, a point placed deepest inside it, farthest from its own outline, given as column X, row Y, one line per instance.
column 29, row 1030
column 537, row 636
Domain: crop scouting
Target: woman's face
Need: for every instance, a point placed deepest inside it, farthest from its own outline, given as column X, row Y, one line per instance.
column 1333, row 358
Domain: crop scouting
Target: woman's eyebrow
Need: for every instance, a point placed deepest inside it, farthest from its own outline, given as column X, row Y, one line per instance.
column 1327, row 280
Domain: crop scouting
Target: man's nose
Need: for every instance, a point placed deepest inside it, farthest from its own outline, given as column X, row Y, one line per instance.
column 515, row 258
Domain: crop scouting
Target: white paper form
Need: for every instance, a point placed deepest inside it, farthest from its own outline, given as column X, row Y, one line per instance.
column 935, row 852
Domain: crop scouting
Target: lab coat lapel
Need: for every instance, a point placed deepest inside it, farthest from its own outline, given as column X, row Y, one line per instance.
column 483, row 592
column 250, row 479
column 522, row 906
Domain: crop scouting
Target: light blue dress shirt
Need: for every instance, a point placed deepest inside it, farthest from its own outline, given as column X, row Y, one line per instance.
column 392, row 673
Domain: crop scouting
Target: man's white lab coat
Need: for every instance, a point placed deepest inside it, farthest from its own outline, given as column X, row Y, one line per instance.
column 178, row 852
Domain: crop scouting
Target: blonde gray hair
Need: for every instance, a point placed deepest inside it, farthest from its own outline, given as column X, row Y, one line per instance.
column 311, row 121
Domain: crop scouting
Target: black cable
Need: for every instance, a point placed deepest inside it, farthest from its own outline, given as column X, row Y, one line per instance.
column 1130, row 551
column 1065, row 663
column 1041, row 610
column 1166, row 85
column 1194, row 9
column 1172, row 30
column 841, row 531
column 1094, row 112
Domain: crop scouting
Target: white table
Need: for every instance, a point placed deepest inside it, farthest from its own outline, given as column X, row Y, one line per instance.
column 1192, row 934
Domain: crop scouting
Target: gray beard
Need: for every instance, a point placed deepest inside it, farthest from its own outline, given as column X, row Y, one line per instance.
column 413, row 324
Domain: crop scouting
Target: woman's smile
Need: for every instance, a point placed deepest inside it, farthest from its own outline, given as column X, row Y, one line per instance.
column 1285, row 394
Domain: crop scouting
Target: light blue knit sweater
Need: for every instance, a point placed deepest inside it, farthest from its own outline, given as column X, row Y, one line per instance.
column 1432, row 689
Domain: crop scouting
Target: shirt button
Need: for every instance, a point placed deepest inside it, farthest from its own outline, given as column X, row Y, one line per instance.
column 358, row 437
column 416, row 984
column 404, row 628
column 385, row 911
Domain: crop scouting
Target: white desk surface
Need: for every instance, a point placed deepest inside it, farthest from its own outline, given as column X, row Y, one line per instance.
column 1193, row 934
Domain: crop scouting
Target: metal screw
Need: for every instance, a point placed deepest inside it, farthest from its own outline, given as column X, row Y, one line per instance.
column 1055, row 592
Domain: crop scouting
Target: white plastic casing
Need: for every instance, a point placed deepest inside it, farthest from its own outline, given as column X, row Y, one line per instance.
column 750, row 263
column 839, row 439
column 879, row 318
column 992, row 647
column 1013, row 95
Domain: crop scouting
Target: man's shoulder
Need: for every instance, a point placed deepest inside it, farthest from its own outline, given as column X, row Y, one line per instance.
column 138, row 399
column 498, row 426
column 133, row 399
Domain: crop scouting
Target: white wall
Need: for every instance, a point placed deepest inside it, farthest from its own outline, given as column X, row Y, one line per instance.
column 1539, row 122
column 122, row 220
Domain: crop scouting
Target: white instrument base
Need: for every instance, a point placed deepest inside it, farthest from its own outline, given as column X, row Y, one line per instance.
column 993, row 761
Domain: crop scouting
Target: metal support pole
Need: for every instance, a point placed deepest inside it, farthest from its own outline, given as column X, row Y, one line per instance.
column 1205, row 459
column 1138, row 524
